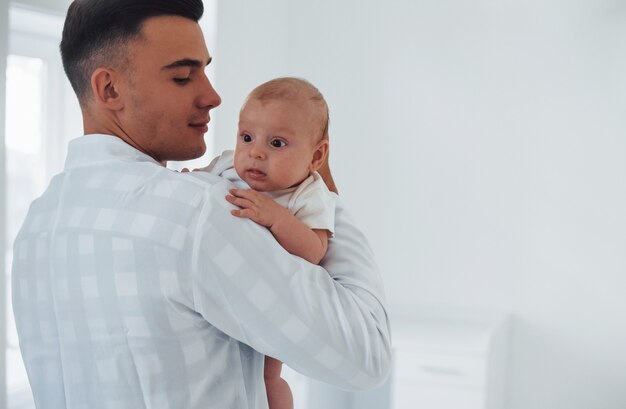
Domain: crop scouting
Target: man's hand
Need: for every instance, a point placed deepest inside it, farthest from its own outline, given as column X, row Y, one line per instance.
column 257, row 207
column 324, row 172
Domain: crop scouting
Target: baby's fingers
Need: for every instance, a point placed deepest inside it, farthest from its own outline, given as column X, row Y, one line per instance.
column 249, row 194
column 238, row 201
column 245, row 213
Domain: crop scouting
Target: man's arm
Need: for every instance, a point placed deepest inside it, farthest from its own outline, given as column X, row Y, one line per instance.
column 324, row 172
column 330, row 325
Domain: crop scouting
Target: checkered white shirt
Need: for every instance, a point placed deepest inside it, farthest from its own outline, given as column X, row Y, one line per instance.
column 134, row 287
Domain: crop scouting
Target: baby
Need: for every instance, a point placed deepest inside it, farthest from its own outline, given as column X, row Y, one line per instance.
column 281, row 142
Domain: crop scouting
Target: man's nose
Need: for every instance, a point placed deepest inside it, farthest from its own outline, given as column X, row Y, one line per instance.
column 209, row 98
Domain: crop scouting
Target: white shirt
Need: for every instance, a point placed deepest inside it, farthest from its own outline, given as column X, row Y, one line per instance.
column 134, row 287
column 310, row 201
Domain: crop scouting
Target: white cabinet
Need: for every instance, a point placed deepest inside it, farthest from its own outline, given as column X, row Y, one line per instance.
column 450, row 360
column 443, row 359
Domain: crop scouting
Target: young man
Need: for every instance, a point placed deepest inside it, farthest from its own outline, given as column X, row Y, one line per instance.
column 129, row 289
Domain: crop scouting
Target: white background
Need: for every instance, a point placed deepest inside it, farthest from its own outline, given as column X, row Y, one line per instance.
column 482, row 147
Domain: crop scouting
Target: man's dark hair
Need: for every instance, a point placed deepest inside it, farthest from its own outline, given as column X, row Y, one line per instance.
column 96, row 33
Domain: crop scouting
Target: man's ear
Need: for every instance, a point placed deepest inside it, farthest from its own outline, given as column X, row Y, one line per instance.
column 105, row 89
column 319, row 155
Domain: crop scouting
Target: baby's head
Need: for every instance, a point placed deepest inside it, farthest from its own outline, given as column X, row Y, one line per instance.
column 283, row 134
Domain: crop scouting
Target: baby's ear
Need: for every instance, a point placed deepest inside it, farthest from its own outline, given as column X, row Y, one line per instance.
column 319, row 155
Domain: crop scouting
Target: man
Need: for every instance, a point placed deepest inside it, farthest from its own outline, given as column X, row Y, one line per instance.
column 133, row 286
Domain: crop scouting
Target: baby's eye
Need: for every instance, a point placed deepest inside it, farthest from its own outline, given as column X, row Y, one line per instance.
column 246, row 138
column 181, row 81
column 277, row 143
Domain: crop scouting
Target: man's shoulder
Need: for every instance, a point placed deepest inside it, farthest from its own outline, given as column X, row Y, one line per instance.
column 197, row 184
column 197, row 179
column 143, row 185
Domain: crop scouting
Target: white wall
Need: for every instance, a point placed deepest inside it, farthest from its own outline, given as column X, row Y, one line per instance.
column 4, row 44
column 492, row 134
column 252, row 40
column 53, row 6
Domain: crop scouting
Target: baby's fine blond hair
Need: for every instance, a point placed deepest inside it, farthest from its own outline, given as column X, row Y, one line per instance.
column 294, row 89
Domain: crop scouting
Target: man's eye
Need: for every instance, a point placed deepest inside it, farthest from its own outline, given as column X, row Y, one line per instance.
column 246, row 138
column 181, row 81
column 277, row 143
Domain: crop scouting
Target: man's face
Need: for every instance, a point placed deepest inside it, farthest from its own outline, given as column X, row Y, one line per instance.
column 275, row 144
column 167, row 95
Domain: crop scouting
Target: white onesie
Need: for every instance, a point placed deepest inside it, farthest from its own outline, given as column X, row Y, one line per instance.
column 311, row 201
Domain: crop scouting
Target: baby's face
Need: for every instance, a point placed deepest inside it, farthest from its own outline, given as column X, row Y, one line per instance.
column 276, row 144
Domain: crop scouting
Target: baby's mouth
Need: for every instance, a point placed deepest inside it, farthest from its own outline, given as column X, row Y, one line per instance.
column 255, row 174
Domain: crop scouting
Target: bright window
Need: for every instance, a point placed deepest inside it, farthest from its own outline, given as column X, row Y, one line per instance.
column 25, row 178
column 41, row 116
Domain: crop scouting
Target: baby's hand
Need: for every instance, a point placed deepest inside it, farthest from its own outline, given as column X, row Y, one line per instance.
column 256, row 206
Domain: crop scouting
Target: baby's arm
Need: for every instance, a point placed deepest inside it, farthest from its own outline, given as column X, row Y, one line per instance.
column 295, row 237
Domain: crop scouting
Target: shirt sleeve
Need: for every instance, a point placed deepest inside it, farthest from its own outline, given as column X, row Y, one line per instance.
column 327, row 322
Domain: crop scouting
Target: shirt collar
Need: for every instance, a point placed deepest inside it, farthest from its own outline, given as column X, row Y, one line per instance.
column 87, row 150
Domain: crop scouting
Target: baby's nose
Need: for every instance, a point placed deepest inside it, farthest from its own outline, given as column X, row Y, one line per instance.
column 257, row 153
